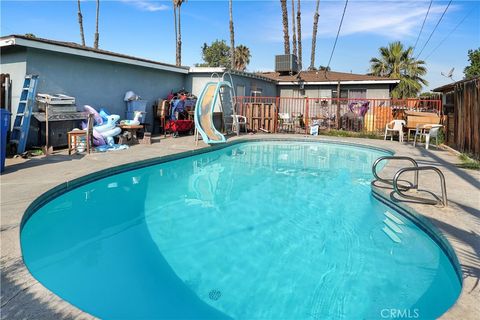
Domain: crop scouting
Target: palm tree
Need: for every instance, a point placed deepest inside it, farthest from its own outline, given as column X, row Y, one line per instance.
column 80, row 22
column 294, row 34
column 95, row 43
column 314, row 36
column 177, row 4
column 398, row 63
column 299, row 38
column 286, row 38
column 232, row 37
column 242, row 57
column 176, row 28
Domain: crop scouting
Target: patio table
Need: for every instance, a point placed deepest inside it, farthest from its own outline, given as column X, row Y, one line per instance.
column 133, row 129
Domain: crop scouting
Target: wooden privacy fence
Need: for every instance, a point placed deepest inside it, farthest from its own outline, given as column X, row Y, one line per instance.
column 463, row 124
column 367, row 115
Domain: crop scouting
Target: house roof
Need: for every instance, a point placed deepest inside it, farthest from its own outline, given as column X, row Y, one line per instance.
column 326, row 77
column 451, row 86
column 76, row 49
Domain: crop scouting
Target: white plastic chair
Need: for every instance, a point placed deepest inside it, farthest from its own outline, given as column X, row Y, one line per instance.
column 237, row 122
column 286, row 120
column 427, row 132
column 394, row 126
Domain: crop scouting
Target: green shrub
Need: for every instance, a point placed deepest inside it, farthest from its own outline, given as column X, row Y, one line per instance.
column 343, row 133
column 468, row 163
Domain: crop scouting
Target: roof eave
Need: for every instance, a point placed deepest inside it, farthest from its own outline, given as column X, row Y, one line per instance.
column 387, row 81
column 211, row 70
column 13, row 40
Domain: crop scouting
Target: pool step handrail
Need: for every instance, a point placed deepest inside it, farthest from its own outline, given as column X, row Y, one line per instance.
column 443, row 201
column 415, row 169
column 390, row 181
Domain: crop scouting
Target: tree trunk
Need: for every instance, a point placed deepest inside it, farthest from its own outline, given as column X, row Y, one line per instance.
column 179, row 39
column 232, row 39
column 95, row 43
column 80, row 22
column 176, row 32
column 299, row 38
column 286, row 38
column 314, row 36
column 294, row 34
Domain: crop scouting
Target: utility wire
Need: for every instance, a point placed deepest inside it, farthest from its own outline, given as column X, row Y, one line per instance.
column 433, row 31
column 423, row 24
column 338, row 32
column 451, row 32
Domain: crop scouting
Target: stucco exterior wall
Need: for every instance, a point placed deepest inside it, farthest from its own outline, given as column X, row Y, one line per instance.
column 196, row 81
column 13, row 62
column 100, row 83
column 374, row 91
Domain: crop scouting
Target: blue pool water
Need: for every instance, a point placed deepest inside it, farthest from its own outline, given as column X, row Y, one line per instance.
column 270, row 230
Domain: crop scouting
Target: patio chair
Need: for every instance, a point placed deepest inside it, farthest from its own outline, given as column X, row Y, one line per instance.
column 427, row 132
column 394, row 126
column 238, row 121
column 286, row 121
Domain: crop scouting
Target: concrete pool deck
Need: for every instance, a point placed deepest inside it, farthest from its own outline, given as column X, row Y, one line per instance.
column 23, row 297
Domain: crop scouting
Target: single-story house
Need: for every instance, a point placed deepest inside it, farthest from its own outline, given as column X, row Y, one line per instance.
column 94, row 77
column 101, row 78
column 325, row 84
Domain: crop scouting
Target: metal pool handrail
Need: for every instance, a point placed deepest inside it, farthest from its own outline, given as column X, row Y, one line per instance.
column 390, row 181
column 444, row 200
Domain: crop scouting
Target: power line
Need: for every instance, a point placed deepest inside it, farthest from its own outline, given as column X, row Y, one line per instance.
column 338, row 32
column 423, row 24
column 451, row 32
column 433, row 31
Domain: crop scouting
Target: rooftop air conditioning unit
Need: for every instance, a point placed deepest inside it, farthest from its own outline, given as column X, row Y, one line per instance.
column 286, row 63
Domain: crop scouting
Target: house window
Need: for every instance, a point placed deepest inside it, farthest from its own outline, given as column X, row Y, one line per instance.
column 350, row 94
column 357, row 93
column 240, row 91
column 298, row 93
column 343, row 94
column 256, row 93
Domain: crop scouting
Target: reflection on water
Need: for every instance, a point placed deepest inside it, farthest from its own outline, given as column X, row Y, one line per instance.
column 257, row 230
column 209, row 179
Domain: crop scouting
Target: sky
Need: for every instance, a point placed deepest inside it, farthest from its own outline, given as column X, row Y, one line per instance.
column 145, row 29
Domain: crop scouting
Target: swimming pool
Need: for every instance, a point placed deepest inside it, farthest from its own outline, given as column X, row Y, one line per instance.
column 272, row 230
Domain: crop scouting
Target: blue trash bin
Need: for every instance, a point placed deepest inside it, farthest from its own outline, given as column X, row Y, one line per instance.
column 5, row 118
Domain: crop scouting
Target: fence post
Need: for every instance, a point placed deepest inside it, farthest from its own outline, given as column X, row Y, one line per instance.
column 337, row 116
column 307, row 115
column 275, row 118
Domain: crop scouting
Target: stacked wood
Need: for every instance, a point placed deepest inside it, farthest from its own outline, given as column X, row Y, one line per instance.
column 260, row 116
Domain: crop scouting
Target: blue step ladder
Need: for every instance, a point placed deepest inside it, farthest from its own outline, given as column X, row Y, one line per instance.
column 21, row 125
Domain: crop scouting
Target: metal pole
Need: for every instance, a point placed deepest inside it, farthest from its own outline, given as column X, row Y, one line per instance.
column 338, row 105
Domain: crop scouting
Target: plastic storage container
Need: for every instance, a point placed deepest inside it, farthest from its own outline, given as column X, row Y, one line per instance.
column 137, row 105
column 5, row 119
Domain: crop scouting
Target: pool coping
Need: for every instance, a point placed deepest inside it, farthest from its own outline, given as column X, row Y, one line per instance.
column 380, row 194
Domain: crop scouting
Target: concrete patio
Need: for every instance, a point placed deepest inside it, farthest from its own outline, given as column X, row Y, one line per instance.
column 22, row 297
